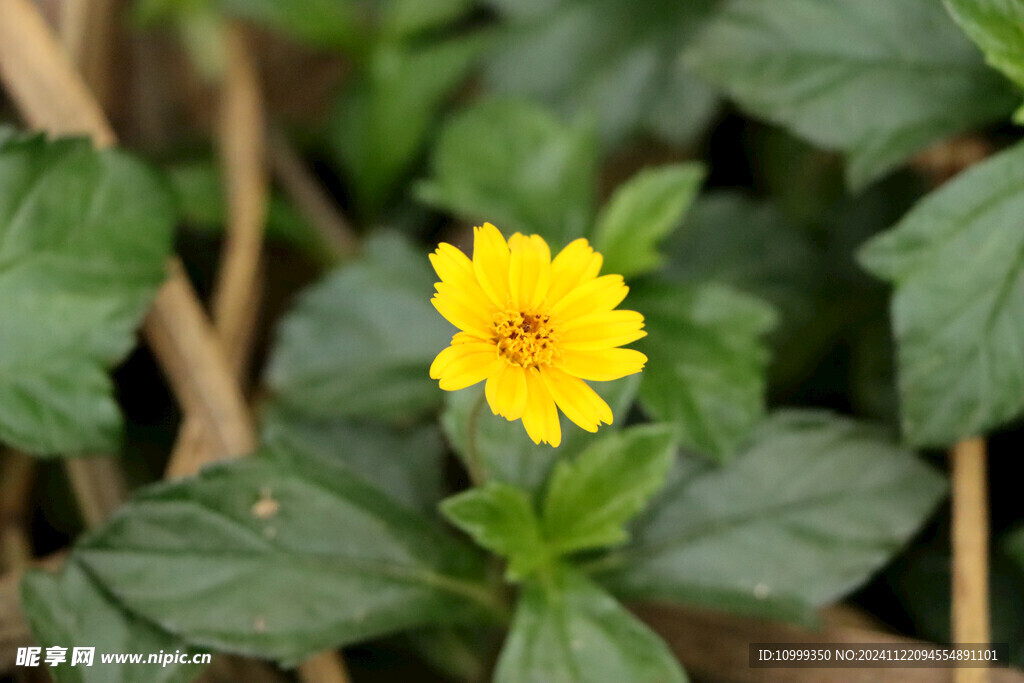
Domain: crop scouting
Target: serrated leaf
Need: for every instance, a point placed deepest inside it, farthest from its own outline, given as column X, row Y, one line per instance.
column 571, row 631
column 404, row 461
column 641, row 213
column 501, row 518
column 383, row 118
column 84, row 235
column 507, row 453
column 69, row 610
column 876, row 79
column 957, row 262
column 997, row 26
column 805, row 514
column 292, row 555
column 513, row 164
column 591, row 498
column 360, row 342
column 603, row 59
column 707, row 362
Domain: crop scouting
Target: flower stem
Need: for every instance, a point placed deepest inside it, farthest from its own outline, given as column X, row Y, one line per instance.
column 474, row 464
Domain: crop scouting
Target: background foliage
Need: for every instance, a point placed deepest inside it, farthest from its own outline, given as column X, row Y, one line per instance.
column 767, row 178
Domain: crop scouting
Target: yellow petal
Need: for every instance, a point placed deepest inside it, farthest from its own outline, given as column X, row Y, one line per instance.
column 602, row 366
column 463, row 317
column 472, row 298
column 529, row 270
column 575, row 265
column 464, row 365
column 597, row 296
column 579, row 402
column 540, row 417
column 451, row 265
column 601, row 330
column 506, row 392
column 490, row 263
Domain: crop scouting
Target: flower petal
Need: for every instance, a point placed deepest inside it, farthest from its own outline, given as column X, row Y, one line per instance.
column 579, row 402
column 506, row 392
column 529, row 270
column 490, row 263
column 463, row 317
column 597, row 296
column 451, row 265
column 540, row 417
column 575, row 265
column 473, row 299
column 602, row 366
column 464, row 365
column 601, row 330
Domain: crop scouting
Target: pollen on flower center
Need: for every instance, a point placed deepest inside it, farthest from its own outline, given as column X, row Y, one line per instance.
column 524, row 338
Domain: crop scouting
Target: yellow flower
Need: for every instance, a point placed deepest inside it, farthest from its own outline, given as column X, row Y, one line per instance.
column 534, row 328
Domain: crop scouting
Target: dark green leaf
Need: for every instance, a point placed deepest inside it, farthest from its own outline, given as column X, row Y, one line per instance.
column 997, row 26
column 507, row 453
column 707, row 362
column 590, row 499
column 605, row 59
column 83, row 240
column 641, row 213
column 290, row 555
column 571, row 631
column 957, row 261
column 383, row 118
column 360, row 343
column 734, row 240
column 69, row 610
column 501, row 518
column 513, row 164
column 406, row 462
column 876, row 79
column 808, row 512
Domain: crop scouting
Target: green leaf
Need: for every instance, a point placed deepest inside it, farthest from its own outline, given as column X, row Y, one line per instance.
column 807, row 513
column 603, row 59
column 732, row 239
column 513, row 164
column 336, row 24
column 384, row 117
column 406, row 462
column 83, row 240
column 501, row 518
column 69, row 610
column 876, row 79
column 360, row 343
column 707, row 361
column 507, row 453
column 957, row 262
column 571, row 631
column 642, row 212
column 401, row 19
column 293, row 555
column 997, row 26
column 591, row 498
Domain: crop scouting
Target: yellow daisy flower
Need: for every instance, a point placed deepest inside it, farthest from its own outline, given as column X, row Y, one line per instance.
column 534, row 328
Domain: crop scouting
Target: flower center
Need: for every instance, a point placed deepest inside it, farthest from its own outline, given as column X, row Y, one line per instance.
column 524, row 338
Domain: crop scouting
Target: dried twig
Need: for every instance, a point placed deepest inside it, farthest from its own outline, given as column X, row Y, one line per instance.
column 970, row 604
